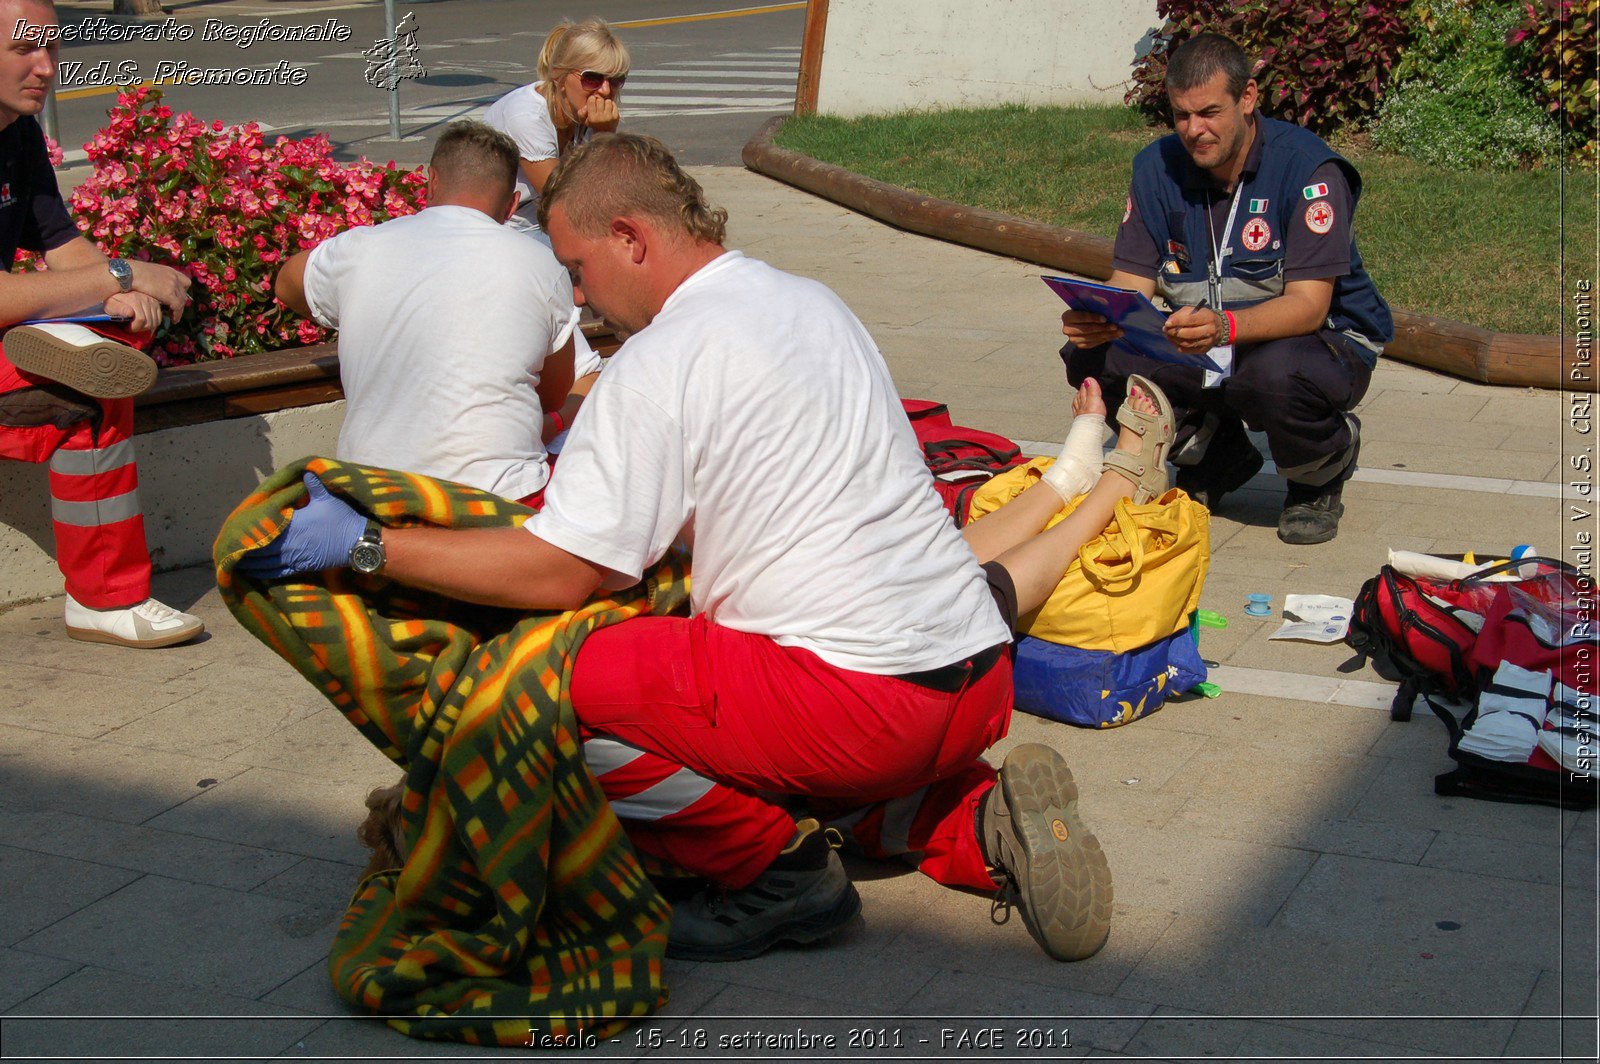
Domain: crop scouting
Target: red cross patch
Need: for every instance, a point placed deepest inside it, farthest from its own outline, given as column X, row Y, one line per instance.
column 1255, row 234
column 1319, row 217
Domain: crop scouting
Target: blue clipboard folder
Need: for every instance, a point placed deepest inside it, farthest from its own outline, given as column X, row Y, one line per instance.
column 1139, row 318
column 95, row 315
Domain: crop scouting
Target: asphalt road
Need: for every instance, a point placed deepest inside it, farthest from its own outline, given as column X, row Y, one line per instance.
column 701, row 84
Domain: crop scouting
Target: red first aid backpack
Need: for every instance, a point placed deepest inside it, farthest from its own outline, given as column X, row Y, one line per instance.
column 961, row 459
column 1416, row 632
column 1443, row 641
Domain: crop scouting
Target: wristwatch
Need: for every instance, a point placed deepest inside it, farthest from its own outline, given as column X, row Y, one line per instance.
column 122, row 272
column 367, row 555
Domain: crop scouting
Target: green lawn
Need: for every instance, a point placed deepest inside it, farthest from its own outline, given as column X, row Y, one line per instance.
column 1481, row 247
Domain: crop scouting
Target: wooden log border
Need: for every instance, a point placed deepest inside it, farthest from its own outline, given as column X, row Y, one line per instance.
column 1436, row 343
column 264, row 384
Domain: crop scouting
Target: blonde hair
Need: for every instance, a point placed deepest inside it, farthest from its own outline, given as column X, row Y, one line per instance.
column 625, row 173
column 470, row 154
column 577, row 46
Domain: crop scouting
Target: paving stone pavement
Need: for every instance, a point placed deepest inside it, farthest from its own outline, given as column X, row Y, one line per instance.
column 177, row 843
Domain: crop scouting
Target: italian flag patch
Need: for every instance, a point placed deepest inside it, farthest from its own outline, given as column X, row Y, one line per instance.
column 1316, row 191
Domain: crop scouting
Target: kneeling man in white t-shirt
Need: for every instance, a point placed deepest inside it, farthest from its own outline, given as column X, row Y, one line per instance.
column 845, row 644
column 455, row 331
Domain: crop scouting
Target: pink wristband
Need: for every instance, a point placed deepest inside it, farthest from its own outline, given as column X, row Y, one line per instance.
column 1233, row 327
column 556, row 416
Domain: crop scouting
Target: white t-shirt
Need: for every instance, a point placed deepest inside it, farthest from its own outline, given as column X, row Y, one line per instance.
column 445, row 319
column 755, row 419
column 585, row 360
column 524, row 115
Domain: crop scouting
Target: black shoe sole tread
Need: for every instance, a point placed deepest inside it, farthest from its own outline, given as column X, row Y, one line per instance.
column 812, row 929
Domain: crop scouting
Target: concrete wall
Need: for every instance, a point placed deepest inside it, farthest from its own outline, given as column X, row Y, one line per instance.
column 891, row 55
column 190, row 479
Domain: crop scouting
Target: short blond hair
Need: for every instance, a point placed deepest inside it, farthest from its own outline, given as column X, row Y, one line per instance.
column 578, row 46
column 625, row 173
column 471, row 154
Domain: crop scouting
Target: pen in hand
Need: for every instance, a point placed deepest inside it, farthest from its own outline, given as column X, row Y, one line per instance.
column 1185, row 344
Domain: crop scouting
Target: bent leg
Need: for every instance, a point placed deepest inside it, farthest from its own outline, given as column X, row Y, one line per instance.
column 1299, row 391
column 934, row 828
column 672, row 813
column 94, row 501
column 756, row 719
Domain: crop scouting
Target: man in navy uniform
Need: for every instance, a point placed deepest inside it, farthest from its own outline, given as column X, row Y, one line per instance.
column 1243, row 225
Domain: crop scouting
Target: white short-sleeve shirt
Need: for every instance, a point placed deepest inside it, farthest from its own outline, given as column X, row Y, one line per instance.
column 755, row 419
column 445, row 319
column 524, row 115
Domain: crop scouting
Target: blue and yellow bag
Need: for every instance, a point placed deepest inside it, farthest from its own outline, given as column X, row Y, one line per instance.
column 1103, row 688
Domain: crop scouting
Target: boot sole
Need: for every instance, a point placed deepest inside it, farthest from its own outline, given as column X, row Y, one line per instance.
column 1066, row 884
column 104, row 370
column 813, row 929
column 93, row 635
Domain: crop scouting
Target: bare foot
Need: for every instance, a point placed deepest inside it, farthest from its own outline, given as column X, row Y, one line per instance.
column 1088, row 400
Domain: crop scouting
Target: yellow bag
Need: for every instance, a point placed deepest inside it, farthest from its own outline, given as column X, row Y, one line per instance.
column 1134, row 583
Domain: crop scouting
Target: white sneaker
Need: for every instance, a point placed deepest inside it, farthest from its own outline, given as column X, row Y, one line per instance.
column 81, row 359
column 146, row 626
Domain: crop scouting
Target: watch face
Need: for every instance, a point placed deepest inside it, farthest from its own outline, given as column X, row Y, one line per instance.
column 366, row 557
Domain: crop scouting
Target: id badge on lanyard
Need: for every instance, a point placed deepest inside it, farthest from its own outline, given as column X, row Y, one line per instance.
column 1222, row 354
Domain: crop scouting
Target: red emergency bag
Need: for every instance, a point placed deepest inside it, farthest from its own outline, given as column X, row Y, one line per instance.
column 961, row 459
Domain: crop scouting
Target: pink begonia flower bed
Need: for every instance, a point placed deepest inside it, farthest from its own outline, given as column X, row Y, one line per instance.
column 226, row 207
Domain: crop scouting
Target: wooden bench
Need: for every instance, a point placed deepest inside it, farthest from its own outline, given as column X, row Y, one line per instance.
column 261, row 384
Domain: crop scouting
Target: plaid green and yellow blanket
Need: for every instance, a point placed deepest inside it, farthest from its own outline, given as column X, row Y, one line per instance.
column 521, row 910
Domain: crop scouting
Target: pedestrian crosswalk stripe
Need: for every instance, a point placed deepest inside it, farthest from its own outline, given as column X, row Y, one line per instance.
column 734, row 82
column 668, row 75
column 777, row 92
column 726, row 101
column 739, row 64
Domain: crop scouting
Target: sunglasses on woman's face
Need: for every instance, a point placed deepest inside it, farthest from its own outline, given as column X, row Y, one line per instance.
column 591, row 80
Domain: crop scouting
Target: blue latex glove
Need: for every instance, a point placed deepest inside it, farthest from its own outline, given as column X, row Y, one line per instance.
column 319, row 536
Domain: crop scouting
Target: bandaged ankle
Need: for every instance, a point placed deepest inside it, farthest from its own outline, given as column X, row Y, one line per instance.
column 1078, row 466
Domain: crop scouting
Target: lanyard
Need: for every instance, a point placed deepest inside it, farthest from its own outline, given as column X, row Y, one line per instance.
column 1221, row 252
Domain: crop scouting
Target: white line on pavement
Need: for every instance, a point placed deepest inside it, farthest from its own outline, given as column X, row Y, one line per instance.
column 730, row 101
column 1362, row 694
column 697, row 65
column 1406, row 477
column 672, row 112
column 640, row 76
column 633, row 98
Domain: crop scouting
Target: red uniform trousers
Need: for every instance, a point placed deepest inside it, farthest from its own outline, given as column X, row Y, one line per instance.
column 94, row 495
column 697, row 733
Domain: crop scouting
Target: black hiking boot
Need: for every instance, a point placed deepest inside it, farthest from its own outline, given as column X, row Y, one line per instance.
column 803, row 896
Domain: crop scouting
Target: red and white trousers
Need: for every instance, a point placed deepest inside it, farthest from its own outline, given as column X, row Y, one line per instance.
column 94, row 485
column 698, row 734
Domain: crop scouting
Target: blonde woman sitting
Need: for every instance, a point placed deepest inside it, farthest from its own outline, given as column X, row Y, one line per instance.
column 582, row 68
